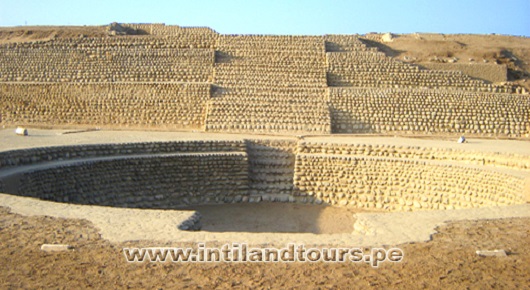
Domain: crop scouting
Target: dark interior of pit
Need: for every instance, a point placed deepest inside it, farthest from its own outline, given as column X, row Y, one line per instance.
column 276, row 217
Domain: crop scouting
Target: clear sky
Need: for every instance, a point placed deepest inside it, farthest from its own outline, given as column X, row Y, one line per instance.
column 283, row 16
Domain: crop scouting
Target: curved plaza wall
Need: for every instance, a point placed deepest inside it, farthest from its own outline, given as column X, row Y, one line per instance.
column 32, row 156
column 393, row 184
column 463, row 157
column 165, row 181
column 175, row 174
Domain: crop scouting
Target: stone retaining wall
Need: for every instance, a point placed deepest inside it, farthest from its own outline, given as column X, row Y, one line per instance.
column 269, row 84
column 131, row 59
column 402, row 185
column 342, row 43
column 169, row 105
column 270, row 61
column 514, row 161
column 147, row 182
column 361, row 110
column 22, row 157
column 267, row 116
column 162, row 29
column 361, row 67
column 490, row 72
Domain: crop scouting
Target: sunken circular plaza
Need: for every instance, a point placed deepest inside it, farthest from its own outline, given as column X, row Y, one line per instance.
column 368, row 173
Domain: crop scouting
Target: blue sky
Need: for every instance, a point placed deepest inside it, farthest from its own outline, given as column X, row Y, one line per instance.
column 310, row 17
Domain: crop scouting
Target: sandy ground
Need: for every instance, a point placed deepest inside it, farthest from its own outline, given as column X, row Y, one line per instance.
column 492, row 48
column 267, row 217
column 448, row 261
column 34, row 33
column 57, row 137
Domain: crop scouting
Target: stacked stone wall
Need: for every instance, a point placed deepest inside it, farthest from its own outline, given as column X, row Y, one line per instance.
column 271, row 167
column 467, row 157
column 375, row 69
column 23, row 157
column 269, row 84
column 267, row 116
column 275, row 61
column 360, row 110
column 131, row 59
column 342, row 43
column 170, row 105
column 391, row 184
column 489, row 72
column 161, row 29
column 148, row 182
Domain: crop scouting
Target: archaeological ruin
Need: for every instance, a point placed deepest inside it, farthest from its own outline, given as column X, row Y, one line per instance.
column 307, row 91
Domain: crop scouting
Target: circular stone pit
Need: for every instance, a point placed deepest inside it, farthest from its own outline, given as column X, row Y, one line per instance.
column 349, row 174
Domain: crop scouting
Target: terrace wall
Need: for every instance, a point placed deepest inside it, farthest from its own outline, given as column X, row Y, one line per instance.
column 364, row 110
column 162, row 105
